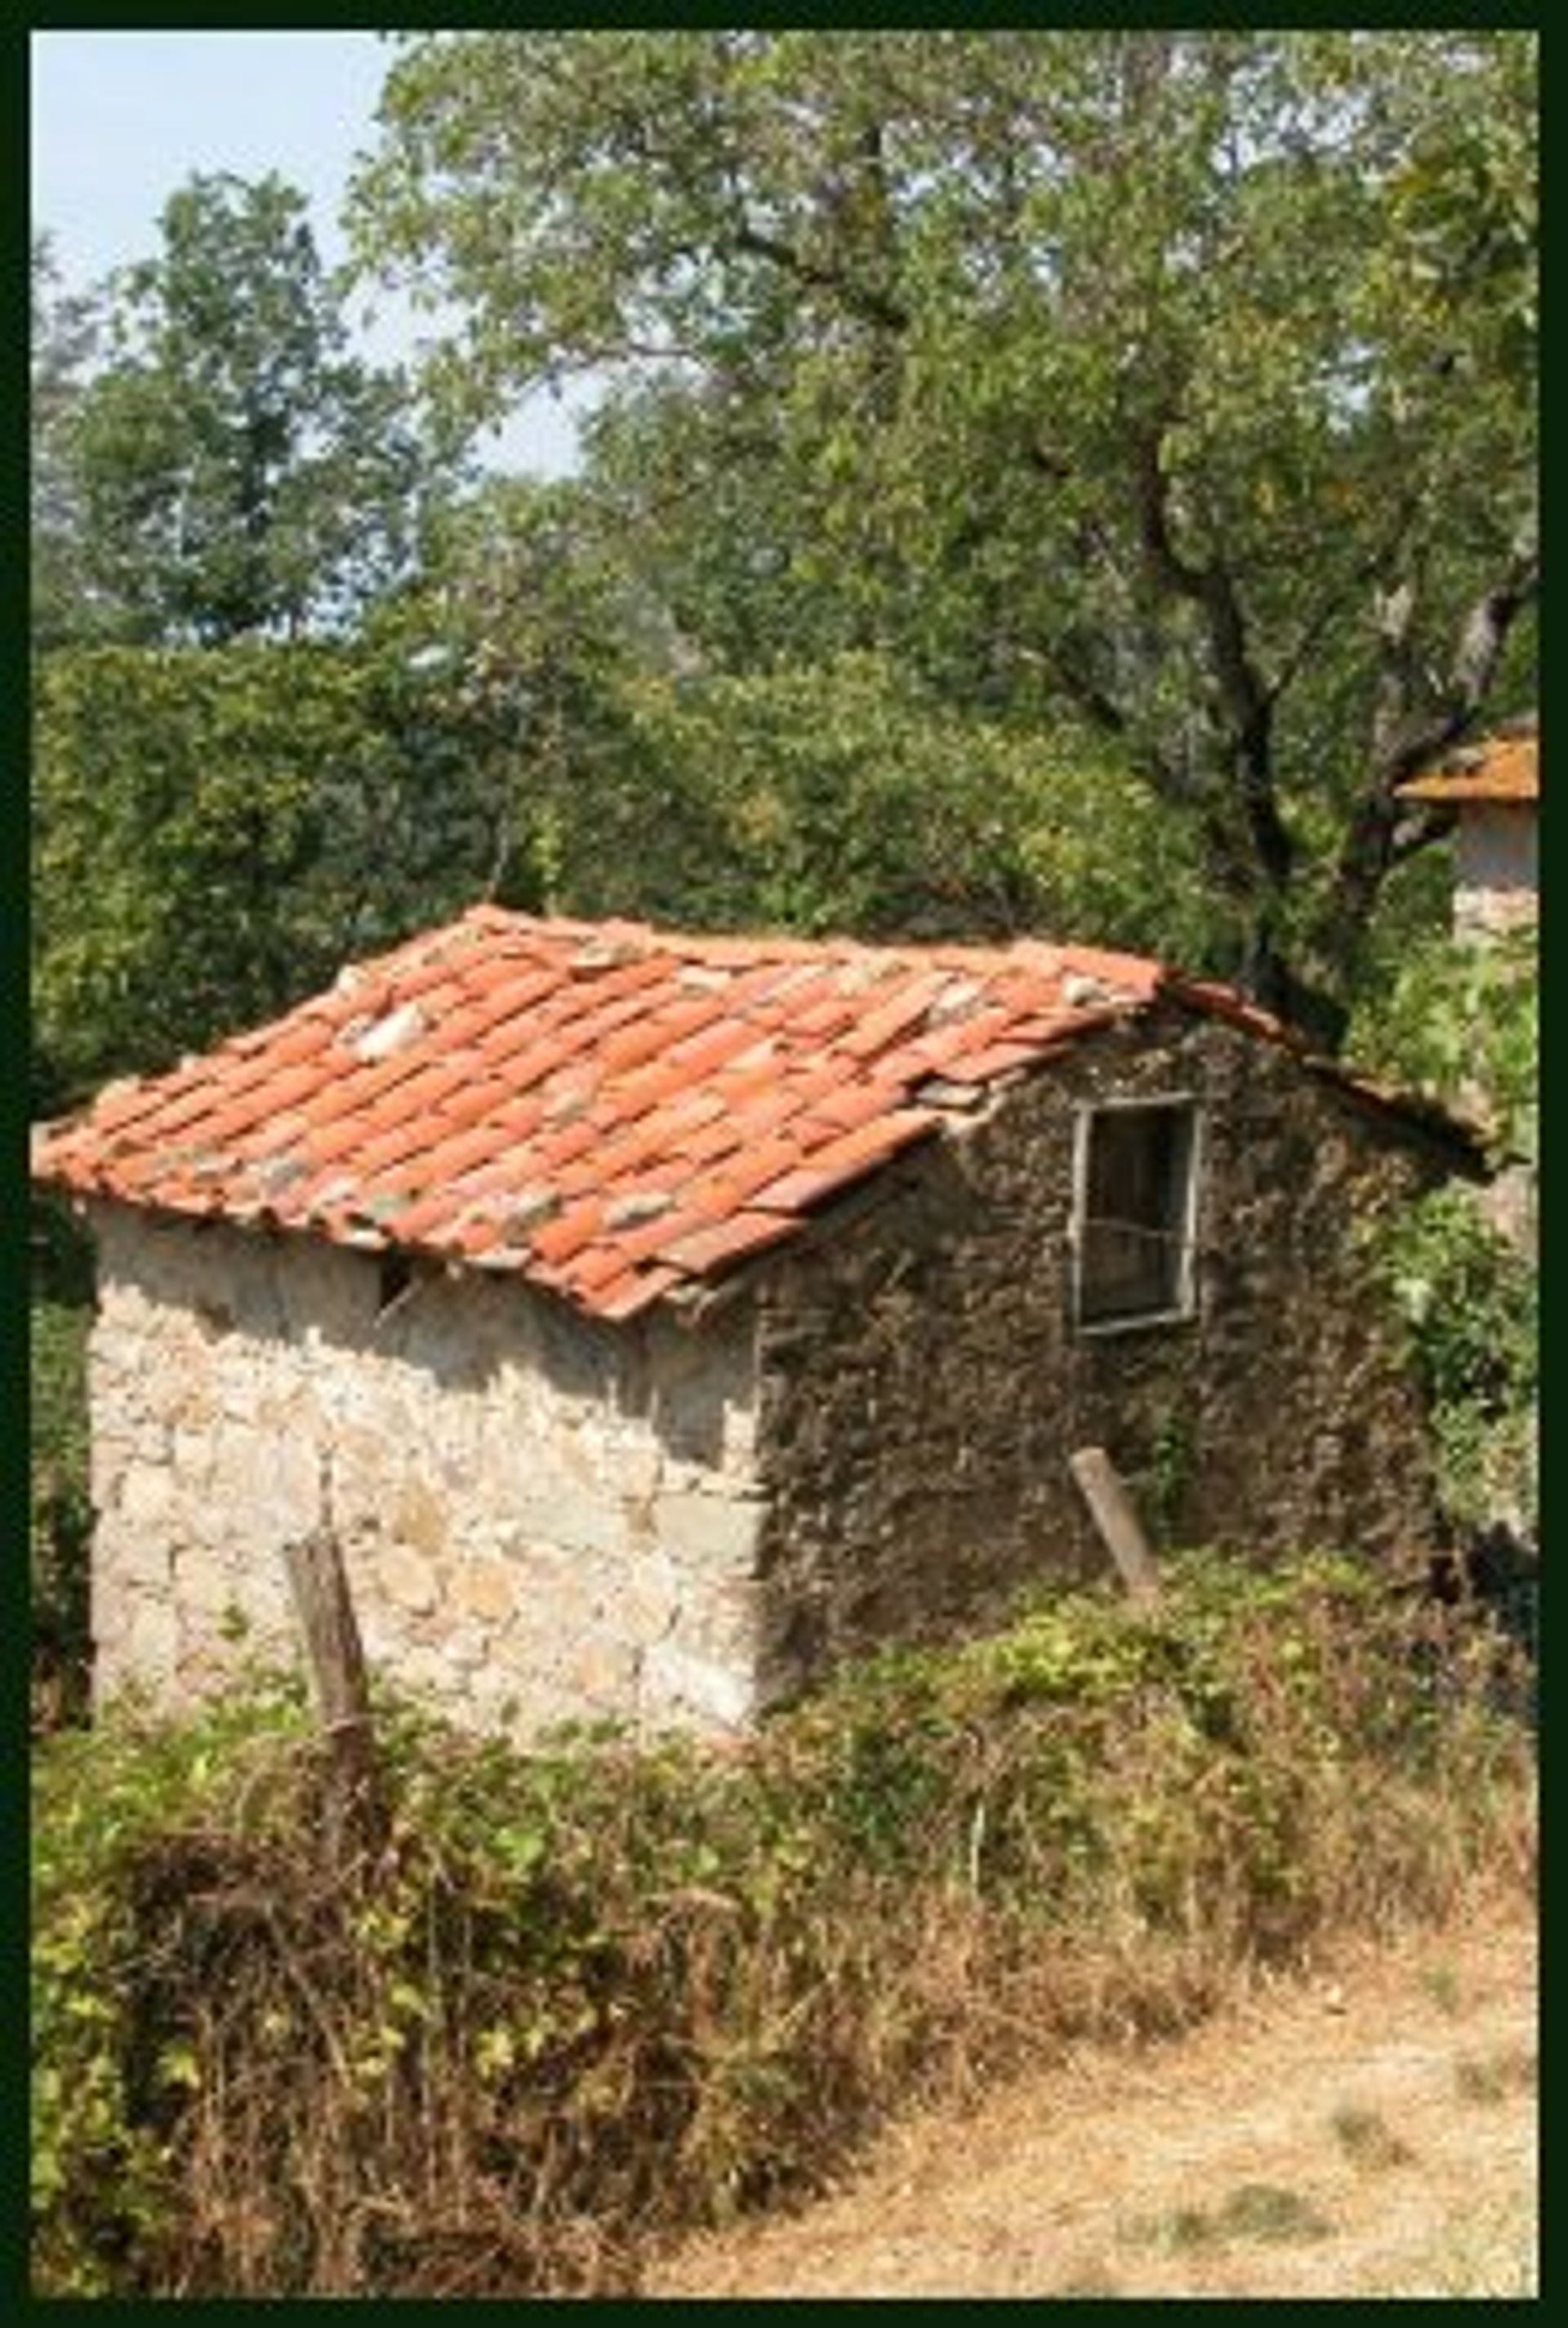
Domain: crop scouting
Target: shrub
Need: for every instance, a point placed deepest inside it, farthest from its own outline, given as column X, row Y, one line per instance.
column 60, row 1510
column 1467, row 1302
column 60, row 1513
column 599, row 1993
column 1461, row 1021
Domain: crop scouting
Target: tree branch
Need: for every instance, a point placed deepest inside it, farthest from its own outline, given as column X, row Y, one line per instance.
column 1483, row 634
column 873, row 306
column 1232, row 870
column 1248, row 703
column 1379, row 835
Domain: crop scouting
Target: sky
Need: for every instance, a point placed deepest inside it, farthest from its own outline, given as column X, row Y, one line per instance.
column 119, row 120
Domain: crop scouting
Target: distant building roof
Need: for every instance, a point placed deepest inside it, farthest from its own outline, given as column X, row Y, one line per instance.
column 609, row 1110
column 1502, row 767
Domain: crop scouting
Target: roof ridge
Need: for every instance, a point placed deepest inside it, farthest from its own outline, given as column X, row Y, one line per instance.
column 751, row 946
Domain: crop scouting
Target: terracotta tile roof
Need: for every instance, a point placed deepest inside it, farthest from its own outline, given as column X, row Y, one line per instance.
column 1504, row 767
column 610, row 1109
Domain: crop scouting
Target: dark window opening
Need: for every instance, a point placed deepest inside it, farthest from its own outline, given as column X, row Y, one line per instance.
column 1135, row 1213
column 394, row 1276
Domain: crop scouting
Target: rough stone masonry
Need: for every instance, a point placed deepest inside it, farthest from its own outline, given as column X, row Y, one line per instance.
column 542, row 1517
column 547, row 1516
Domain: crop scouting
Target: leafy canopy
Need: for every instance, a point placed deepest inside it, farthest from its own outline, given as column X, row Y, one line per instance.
column 1175, row 389
column 235, row 470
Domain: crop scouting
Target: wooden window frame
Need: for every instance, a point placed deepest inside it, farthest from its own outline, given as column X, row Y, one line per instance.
column 1185, row 1306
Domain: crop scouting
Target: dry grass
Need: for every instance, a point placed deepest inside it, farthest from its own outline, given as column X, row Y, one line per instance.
column 1212, row 2164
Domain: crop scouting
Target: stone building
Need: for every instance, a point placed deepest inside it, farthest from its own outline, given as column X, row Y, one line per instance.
column 1492, row 792
column 657, row 1319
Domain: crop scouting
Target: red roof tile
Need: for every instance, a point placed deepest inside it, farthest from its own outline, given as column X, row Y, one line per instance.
column 612, row 1110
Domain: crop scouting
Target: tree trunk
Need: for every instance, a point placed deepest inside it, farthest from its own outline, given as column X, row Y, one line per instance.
column 1309, row 1004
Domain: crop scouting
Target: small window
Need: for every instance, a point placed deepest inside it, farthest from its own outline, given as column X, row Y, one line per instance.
column 1133, row 1227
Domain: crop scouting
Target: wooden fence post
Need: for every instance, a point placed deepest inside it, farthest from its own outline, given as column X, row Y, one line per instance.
column 337, row 1667
column 1111, row 1509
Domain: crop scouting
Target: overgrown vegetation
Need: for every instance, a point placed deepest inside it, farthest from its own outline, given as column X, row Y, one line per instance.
column 1461, row 1021
column 1468, row 1300
column 60, row 1512
column 594, row 1994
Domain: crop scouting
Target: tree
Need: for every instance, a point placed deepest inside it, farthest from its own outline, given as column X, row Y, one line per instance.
column 1176, row 389
column 843, row 795
column 176, row 836
column 64, row 337
column 504, row 660
column 217, row 829
column 236, row 470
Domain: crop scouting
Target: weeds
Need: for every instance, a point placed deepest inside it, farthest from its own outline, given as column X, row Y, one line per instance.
column 1253, row 2211
column 1367, row 2140
column 596, row 1994
column 1441, row 1983
column 1182, row 2231
column 1493, row 2077
column 1267, row 2211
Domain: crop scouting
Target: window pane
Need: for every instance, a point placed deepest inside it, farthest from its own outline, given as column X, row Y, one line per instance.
column 1134, row 1234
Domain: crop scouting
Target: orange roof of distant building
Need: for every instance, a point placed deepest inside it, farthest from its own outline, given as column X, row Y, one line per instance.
column 612, row 1110
column 1503, row 767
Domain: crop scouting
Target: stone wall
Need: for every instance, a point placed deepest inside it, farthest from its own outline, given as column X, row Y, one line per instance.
column 543, row 1518
column 922, row 1382
column 1497, row 876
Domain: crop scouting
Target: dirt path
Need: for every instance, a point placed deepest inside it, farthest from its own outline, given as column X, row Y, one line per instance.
column 1369, row 2133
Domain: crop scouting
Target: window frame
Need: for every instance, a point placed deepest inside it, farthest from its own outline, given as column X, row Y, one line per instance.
column 1086, row 1114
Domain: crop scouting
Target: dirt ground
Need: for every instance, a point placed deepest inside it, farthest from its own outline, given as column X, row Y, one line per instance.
column 1368, row 2132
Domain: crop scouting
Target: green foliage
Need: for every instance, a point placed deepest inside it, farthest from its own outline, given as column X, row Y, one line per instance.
column 217, row 830
column 597, row 1992
column 233, row 470
column 844, row 797
column 1469, row 1302
column 1461, row 1021
column 100, row 2169
column 1245, row 490
column 177, row 819
column 508, row 657
column 65, row 338
column 60, row 1513
column 60, row 1510
column 1166, row 1477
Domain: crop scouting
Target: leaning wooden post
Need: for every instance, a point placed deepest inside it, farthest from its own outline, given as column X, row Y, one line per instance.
column 337, row 1667
column 1112, row 1510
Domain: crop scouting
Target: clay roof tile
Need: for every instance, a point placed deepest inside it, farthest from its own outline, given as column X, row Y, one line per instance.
column 1504, row 767
column 616, row 1111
